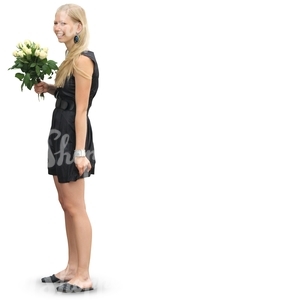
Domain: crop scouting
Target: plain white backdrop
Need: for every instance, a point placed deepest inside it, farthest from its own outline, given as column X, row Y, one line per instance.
column 196, row 128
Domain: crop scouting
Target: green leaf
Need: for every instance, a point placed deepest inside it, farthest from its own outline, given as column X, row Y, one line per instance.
column 37, row 70
column 52, row 64
column 27, row 80
column 46, row 69
column 20, row 76
column 30, row 84
column 32, row 65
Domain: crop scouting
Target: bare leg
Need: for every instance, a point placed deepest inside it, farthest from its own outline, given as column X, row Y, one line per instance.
column 71, row 268
column 79, row 233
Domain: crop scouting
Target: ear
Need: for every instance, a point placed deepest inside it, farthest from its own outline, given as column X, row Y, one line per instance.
column 79, row 27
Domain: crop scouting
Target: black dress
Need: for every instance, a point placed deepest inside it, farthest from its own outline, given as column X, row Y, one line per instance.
column 62, row 136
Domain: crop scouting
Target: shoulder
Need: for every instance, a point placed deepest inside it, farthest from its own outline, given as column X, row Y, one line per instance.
column 88, row 63
column 90, row 54
column 83, row 61
column 84, row 65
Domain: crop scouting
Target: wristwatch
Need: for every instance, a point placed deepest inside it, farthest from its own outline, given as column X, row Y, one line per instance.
column 79, row 153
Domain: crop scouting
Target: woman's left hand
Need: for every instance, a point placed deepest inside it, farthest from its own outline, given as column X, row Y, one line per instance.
column 82, row 164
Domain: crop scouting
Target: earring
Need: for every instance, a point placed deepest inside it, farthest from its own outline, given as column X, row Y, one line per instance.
column 76, row 38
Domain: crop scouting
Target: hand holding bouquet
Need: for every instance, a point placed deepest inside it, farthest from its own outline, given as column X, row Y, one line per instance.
column 32, row 60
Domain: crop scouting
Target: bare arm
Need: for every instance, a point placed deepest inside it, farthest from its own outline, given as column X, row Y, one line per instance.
column 51, row 89
column 82, row 92
column 44, row 87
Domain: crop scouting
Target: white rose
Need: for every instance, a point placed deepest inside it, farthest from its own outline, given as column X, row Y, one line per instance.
column 45, row 49
column 27, row 51
column 37, row 52
column 20, row 53
column 27, row 42
column 43, row 54
column 15, row 53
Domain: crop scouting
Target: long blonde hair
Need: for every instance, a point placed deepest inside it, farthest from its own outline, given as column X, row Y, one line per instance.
column 67, row 67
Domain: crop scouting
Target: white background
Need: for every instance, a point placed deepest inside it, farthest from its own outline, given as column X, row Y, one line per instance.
column 196, row 128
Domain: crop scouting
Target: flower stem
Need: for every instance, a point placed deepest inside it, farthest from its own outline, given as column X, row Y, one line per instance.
column 42, row 94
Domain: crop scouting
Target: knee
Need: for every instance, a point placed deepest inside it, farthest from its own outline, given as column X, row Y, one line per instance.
column 70, row 207
column 62, row 201
column 65, row 204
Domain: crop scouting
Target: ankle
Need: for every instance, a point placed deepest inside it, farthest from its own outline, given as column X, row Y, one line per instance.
column 71, row 269
column 82, row 275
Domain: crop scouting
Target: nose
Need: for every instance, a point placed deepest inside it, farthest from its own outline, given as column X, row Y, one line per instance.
column 56, row 27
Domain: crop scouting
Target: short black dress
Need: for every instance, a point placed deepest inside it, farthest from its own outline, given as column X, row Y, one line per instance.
column 62, row 138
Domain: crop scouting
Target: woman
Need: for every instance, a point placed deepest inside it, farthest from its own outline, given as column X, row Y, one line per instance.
column 71, row 150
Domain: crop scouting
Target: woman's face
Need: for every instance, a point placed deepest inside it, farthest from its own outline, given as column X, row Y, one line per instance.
column 64, row 28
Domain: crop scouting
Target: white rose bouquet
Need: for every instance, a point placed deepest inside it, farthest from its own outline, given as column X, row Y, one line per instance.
column 32, row 60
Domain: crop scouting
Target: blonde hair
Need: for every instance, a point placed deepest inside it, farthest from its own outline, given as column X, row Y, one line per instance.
column 68, row 66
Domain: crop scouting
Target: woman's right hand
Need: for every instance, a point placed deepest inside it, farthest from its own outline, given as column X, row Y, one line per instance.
column 41, row 87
